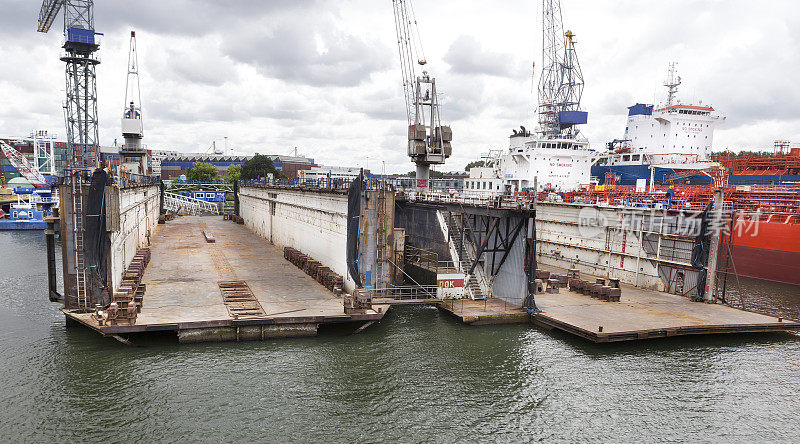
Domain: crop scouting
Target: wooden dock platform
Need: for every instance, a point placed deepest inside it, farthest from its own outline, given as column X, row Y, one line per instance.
column 184, row 294
column 643, row 314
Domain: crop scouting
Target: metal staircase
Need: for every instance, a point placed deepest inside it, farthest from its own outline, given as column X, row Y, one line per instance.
column 180, row 203
column 464, row 255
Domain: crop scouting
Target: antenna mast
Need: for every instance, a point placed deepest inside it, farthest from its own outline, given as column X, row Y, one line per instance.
column 672, row 84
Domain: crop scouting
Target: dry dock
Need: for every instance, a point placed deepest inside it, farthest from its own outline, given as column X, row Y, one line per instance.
column 184, row 295
column 643, row 314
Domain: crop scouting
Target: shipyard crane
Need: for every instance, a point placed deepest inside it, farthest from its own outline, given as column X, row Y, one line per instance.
column 133, row 157
column 80, row 113
column 79, row 46
column 428, row 140
column 28, row 171
column 561, row 81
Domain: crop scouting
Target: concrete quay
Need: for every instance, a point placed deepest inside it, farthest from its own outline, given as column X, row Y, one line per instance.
column 183, row 287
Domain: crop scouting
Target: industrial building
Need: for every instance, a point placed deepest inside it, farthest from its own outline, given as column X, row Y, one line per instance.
column 173, row 167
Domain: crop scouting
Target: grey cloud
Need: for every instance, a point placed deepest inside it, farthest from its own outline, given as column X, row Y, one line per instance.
column 468, row 56
column 466, row 98
column 290, row 52
column 204, row 67
column 384, row 104
column 192, row 17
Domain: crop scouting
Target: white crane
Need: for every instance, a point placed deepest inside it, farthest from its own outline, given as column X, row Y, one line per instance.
column 133, row 157
column 428, row 140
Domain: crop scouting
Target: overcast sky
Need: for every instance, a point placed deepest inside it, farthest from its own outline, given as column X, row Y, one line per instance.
column 323, row 76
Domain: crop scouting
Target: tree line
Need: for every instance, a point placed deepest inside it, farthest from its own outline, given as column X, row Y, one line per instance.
column 254, row 168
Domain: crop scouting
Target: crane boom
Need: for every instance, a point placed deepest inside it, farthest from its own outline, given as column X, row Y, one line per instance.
column 48, row 13
column 24, row 167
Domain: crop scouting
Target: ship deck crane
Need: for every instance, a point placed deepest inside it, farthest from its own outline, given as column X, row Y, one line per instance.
column 561, row 81
column 429, row 142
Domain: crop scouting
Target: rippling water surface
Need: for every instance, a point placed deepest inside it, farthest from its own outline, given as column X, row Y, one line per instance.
column 416, row 376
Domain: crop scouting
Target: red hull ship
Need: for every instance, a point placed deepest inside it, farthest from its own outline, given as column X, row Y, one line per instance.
column 771, row 252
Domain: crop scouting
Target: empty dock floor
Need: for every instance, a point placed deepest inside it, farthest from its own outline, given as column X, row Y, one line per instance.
column 183, row 290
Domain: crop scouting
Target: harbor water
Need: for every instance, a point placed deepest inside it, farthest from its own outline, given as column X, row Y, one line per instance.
column 418, row 375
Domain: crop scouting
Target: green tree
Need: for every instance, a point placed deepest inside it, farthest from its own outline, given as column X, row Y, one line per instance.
column 234, row 172
column 259, row 166
column 202, row 172
column 433, row 174
column 473, row 164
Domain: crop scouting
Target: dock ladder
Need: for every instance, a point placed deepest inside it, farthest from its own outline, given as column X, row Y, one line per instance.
column 79, row 230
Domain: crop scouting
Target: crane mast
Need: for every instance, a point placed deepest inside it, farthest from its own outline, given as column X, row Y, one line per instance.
column 561, row 81
column 429, row 142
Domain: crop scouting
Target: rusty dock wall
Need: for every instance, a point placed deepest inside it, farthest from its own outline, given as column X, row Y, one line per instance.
column 130, row 212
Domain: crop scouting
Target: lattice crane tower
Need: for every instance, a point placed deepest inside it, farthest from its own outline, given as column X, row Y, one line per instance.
column 80, row 113
column 80, row 45
column 561, row 81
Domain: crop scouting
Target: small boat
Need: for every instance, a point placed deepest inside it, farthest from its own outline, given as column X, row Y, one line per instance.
column 30, row 209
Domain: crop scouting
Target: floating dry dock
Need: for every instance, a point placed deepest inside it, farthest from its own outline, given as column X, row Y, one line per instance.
column 184, row 295
column 210, row 279
column 640, row 314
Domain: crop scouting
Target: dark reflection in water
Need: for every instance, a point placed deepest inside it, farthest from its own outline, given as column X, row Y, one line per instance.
column 418, row 375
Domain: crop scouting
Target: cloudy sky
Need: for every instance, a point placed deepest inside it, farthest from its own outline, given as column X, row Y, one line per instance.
column 323, row 76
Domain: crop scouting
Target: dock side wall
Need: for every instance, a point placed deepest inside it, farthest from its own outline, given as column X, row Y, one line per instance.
column 312, row 221
column 646, row 249
column 132, row 218
column 422, row 229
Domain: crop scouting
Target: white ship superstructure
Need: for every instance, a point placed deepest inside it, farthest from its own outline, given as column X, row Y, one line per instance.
column 673, row 134
column 557, row 157
column 558, row 164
